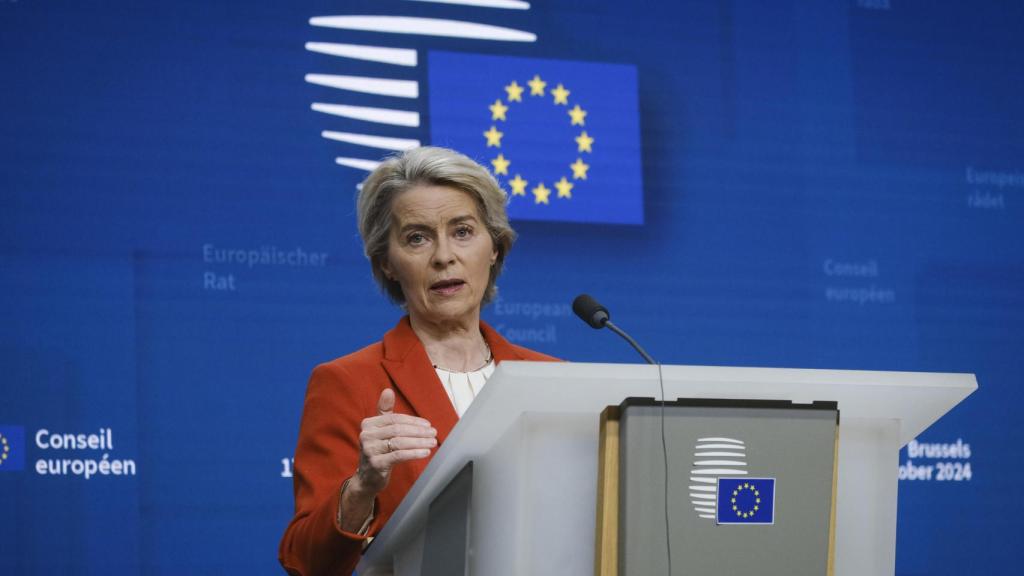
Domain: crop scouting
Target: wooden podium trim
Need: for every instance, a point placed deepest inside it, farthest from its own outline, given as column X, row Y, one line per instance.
column 606, row 533
column 831, row 568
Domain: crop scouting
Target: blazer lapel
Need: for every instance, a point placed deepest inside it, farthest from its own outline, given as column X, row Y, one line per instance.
column 409, row 367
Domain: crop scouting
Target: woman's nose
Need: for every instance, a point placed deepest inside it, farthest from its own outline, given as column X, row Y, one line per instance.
column 443, row 254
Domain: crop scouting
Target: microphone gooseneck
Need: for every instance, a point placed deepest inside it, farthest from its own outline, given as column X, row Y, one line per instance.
column 596, row 316
column 632, row 342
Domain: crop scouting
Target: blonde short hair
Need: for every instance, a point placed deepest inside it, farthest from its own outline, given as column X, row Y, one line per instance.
column 429, row 165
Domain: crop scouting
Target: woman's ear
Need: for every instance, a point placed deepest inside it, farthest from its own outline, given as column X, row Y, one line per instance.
column 386, row 269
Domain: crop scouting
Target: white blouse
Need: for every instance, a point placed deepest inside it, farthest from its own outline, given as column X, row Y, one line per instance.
column 462, row 387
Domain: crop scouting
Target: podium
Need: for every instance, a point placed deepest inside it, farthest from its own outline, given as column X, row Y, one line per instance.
column 532, row 438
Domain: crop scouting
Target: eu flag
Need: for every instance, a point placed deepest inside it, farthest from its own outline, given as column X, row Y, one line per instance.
column 562, row 137
column 12, row 448
column 746, row 501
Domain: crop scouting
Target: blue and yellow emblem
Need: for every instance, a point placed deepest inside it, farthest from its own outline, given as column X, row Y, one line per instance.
column 12, row 448
column 562, row 137
column 746, row 501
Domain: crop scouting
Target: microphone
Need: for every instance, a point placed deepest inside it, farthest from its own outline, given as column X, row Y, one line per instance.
column 590, row 311
column 596, row 316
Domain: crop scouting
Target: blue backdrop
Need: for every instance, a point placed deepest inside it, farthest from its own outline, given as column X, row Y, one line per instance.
column 824, row 184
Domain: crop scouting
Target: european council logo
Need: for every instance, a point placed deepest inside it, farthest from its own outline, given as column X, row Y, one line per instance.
column 562, row 137
column 746, row 501
column 12, row 448
column 714, row 457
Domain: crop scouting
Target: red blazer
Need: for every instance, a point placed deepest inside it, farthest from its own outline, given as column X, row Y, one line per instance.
column 340, row 394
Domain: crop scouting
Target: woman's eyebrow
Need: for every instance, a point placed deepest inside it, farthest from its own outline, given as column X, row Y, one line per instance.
column 418, row 225
column 408, row 226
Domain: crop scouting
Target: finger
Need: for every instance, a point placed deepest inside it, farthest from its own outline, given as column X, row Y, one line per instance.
column 392, row 418
column 384, row 432
column 403, row 443
column 383, row 462
column 375, row 440
column 386, row 402
column 407, row 455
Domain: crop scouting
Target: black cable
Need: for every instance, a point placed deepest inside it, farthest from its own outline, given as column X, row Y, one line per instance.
column 596, row 316
column 664, row 443
column 664, row 453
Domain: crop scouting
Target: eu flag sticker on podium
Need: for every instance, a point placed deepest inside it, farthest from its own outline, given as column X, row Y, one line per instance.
column 746, row 501
column 562, row 137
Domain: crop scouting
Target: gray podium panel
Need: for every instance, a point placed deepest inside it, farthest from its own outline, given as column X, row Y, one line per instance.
column 750, row 487
column 447, row 548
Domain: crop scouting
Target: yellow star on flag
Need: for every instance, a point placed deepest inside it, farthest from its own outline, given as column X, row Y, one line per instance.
column 541, row 193
column 493, row 137
column 584, row 142
column 577, row 114
column 518, row 186
column 561, row 95
column 564, row 188
column 579, row 169
column 537, row 86
column 498, row 110
column 501, row 165
column 515, row 92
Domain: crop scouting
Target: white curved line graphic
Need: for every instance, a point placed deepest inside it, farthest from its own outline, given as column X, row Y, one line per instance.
column 368, row 85
column 718, row 472
column 710, row 446
column 712, row 516
column 707, row 510
column 383, row 142
column 397, row 56
column 720, row 439
column 703, row 497
column 358, row 163
column 378, row 115
column 507, row 4
column 704, row 488
column 424, row 27
column 705, row 480
column 726, row 454
column 719, row 463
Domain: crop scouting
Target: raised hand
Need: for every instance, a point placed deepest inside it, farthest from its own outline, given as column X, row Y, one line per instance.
column 384, row 441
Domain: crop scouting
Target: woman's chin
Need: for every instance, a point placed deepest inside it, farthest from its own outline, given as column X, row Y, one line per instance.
column 447, row 309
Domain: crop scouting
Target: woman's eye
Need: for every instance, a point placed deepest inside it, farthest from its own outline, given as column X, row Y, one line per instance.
column 415, row 239
column 463, row 232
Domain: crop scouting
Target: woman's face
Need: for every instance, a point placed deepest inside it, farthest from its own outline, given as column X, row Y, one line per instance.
column 440, row 252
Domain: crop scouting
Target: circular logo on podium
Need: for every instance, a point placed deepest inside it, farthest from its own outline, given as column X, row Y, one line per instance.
column 713, row 458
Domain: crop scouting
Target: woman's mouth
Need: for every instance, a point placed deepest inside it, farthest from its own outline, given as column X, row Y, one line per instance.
column 447, row 287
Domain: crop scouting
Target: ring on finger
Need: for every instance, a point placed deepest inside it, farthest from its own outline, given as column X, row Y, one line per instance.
column 390, row 449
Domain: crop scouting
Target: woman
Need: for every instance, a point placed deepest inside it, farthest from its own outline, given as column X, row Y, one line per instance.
column 436, row 232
